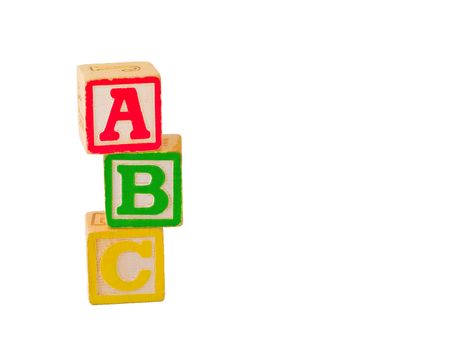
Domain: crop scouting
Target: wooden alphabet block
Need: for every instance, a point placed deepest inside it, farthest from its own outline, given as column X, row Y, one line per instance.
column 124, row 265
column 145, row 189
column 119, row 107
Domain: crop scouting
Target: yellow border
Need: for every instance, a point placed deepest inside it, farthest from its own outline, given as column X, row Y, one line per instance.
column 96, row 299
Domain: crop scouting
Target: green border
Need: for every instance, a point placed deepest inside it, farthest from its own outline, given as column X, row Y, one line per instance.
column 177, row 199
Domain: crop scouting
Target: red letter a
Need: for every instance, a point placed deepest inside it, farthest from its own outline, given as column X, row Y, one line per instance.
column 133, row 113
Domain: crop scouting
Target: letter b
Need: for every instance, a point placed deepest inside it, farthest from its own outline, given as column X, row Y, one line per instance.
column 130, row 189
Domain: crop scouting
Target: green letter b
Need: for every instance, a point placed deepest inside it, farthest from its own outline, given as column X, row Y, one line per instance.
column 130, row 189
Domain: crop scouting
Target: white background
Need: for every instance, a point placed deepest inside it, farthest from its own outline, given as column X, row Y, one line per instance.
column 325, row 176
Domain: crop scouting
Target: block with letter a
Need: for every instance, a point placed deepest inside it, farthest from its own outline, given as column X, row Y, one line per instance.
column 119, row 107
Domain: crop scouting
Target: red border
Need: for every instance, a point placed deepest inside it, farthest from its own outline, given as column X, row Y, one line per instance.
column 106, row 149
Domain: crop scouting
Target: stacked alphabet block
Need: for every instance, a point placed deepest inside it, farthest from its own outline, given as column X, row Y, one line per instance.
column 119, row 107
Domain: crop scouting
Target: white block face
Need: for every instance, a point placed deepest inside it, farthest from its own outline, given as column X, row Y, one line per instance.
column 102, row 105
column 129, row 265
column 143, row 200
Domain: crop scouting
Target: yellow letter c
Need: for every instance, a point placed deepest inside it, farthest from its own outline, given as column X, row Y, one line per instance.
column 109, row 265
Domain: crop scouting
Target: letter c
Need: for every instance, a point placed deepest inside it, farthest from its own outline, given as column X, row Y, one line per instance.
column 109, row 261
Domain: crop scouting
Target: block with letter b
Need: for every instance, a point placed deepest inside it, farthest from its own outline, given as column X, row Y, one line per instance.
column 145, row 189
column 119, row 107
column 124, row 265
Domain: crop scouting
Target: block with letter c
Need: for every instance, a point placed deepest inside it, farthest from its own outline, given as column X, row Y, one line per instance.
column 125, row 265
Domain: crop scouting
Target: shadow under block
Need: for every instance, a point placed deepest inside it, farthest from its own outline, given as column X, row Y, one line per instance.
column 145, row 189
column 119, row 107
column 124, row 265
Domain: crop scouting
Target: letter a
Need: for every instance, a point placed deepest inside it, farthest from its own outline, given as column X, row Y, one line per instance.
column 133, row 113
